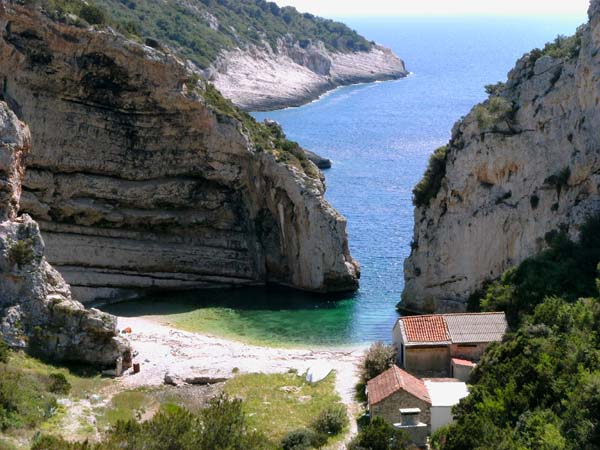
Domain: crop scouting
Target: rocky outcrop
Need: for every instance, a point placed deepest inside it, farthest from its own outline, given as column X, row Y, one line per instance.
column 260, row 79
column 523, row 164
column 143, row 178
column 37, row 312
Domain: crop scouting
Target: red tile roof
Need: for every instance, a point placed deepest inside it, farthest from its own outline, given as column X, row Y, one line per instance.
column 441, row 329
column 394, row 380
column 426, row 328
column 463, row 362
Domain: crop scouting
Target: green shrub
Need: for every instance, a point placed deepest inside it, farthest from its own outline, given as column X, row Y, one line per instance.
column 58, row 384
column 380, row 435
column 21, row 252
column 562, row 47
column 221, row 426
column 92, row 14
column 331, row 421
column 4, row 351
column 495, row 90
column 429, row 186
column 379, row 358
column 495, row 110
column 303, row 439
column 22, row 403
column 566, row 269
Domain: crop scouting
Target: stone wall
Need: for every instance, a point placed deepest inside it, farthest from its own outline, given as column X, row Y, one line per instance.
column 389, row 408
column 428, row 361
column 470, row 352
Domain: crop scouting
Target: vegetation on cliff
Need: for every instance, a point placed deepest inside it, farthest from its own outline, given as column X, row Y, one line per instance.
column 430, row 184
column 201, row 29
column 540, row 387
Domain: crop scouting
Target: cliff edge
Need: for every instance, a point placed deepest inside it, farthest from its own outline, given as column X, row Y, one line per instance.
column 521, row 165
column 37, row 312
column 143, row 177
column 260, row 79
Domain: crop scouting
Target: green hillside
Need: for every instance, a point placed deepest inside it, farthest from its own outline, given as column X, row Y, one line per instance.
column 200, row 29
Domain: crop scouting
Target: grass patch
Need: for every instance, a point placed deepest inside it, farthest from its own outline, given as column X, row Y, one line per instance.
column 83, row 380
column 124, row 406
column 279, row 403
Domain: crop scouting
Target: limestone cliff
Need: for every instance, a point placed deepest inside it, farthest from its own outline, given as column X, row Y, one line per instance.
column 37, row 312
column 524, row 163
column 142, row 177
column 258, row 78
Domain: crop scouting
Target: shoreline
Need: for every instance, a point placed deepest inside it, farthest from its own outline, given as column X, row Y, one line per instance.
column 318, row 94
column 331, row 91
column 162, row 349
column 261, row 80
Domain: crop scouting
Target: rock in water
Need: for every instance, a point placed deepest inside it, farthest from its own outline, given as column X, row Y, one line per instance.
column 142, row 177
column 37, row 312
column 524, row 163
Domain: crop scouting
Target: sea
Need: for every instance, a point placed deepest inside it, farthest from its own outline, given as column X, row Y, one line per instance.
column 379, row 137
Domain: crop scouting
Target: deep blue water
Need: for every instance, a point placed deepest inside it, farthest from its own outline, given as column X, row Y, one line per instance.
column 380, row 137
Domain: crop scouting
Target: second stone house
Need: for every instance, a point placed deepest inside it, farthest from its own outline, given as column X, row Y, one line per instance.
column 429, row 399
column 440, row 344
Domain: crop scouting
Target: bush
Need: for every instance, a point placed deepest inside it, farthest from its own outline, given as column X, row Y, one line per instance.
column 58, row 384
column 429, row 186
column 562, row 47
column 379, row 358
column 22, row 403
column 21, row 252
column 492, row 112
column 303, row 439
column 566, row 270
column 220, row 426
column 331, row 421
column 380, row 435
column 4, row 351
column 92, row 14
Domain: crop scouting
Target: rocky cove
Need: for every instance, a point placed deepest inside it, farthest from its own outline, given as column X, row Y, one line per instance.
column 153, row 180
column 124, row 170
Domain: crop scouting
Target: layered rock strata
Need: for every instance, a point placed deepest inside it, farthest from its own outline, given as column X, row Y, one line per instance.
column 140, row 181
column 37, row 312
column 260, row 79
column 523, row 164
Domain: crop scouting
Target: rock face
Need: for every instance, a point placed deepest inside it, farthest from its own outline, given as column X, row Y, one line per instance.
column 517, row 168
column 259, row 79
column 140, row 182
column 37, row 312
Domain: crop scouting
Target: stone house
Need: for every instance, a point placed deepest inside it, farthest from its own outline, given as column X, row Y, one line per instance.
column 427, row 344
column 396, row 390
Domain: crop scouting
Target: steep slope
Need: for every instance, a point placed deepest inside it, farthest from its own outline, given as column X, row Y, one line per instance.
column 143, row 177
column 523, row 164
column 259, row 55
column 37, row 312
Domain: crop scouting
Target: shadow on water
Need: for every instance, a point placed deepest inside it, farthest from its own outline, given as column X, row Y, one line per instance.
column 264, row 315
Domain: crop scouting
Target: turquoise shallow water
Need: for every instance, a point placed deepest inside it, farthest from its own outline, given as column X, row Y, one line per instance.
column 379, row 137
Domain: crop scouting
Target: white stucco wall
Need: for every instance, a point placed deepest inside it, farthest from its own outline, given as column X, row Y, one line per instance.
column 440, row 416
